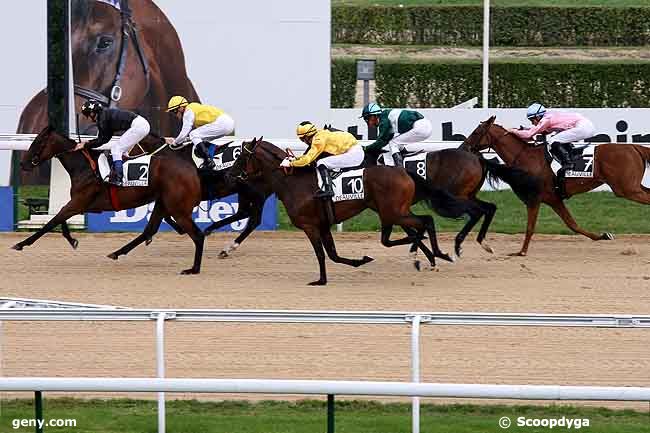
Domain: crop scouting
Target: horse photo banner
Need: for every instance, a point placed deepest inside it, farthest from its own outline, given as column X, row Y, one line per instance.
column 134, row 220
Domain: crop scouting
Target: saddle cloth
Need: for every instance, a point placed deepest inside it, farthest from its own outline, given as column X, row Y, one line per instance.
column 224, row 159
column 583, row 158
column 135, row 171
column 347, row 184
column 414, row 162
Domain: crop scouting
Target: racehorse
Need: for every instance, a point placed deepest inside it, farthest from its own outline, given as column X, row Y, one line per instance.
column 121, row 56
column 389, row 191
column 462, row 174
column 214, row 185
column 608, row 160
column 173, row 184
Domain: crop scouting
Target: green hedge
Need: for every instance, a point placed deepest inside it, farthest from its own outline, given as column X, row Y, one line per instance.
column 512, row 84
column 510, row 26
column 343, row 83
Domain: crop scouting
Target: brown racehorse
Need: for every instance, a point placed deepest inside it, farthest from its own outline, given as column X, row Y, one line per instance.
column 149, row 77
column 215, row 184
column 389, row 191
column 462, row 174
column 608, row 160
column 174, row 185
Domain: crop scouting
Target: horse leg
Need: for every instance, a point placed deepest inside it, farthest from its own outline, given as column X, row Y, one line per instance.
column 61, row 217
column 430, row 227
column 386, row 231
column 533, row 211
column 194, row 232
column 254, row 211
column 169, row 220
column 151, row 229
column 330, row 248
column 65, row 230
column 560, row 209
column 316, row 242
column 489, row 210
column 474, row 217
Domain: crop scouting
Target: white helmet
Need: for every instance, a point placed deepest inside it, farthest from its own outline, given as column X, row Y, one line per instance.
column 536, row 110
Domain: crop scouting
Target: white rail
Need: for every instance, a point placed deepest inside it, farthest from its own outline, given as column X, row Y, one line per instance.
column 342, row 317
column 335, row 387
column 414, row 319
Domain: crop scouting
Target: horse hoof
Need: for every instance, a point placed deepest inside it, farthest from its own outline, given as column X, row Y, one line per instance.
column 487, row 248
column 434, row 268
column 367, row 259
column 113, row 256
column 207, row 233
column 148, row 241
column 417, row 266
column 318, row 283
column 223, row 255
column 17, row 247
column 74, row 244
column 459, row 251
column 446, row 257
column 519, row 254
column 190, row 271
column 607, row 236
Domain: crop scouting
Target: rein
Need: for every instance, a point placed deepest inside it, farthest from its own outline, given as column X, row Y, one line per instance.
column 115, row 94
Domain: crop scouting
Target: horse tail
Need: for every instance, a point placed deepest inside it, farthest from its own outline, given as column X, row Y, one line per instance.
column 441, row 201
column 644, row 152
column 525, row 186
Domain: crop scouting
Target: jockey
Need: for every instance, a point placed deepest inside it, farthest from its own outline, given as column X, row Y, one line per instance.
column 396, row 128
column 109, row 121
column 202, row 123
column 571, row 127
column 341, row 147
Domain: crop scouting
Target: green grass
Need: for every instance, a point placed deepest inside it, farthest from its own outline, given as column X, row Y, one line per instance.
column 596, row 211
column 564, row 3
column 29, row 191
column 133, row 416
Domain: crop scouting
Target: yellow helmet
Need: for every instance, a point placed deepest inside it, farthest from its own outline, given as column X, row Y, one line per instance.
column 306, row 129
column 176, row 102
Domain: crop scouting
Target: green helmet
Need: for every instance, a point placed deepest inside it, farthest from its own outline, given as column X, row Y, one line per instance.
column 372, row 109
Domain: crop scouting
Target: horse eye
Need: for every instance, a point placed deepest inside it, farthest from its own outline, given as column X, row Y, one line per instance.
column 104, row 43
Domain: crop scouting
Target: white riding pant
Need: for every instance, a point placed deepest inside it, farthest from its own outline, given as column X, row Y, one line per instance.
column 583, row 130
column 421, row 130
column 132, row 136
column 353, row 157
column 224, row 125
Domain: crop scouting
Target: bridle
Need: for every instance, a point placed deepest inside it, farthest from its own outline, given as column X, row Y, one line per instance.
column 115, row 93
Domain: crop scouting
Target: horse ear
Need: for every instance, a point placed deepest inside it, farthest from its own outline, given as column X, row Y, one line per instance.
column 491, row 120
column 261, row 137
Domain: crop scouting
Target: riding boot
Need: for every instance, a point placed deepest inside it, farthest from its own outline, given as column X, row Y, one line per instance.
column 563, row 154
column 399, row 160
column 117, row 173
column 204, row 150
column 327, row 191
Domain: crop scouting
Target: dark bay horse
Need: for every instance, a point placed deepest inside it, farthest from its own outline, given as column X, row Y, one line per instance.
column 389, row 191
column 621, row 166
column 174, row 185
column 462, row 174
column 133, row 43
column 213, row 185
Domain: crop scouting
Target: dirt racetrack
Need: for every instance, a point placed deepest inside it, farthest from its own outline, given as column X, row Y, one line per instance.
column 563, row 274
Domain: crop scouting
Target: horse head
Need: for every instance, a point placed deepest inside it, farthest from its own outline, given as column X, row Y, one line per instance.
column 109, row 62
column 479, row 139
column 47, row 145
column 246, row 165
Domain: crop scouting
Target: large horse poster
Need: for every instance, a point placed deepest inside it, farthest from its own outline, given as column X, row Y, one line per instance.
column 240, row 56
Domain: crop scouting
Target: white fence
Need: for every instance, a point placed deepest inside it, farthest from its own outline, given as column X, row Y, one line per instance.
column 413, row 388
